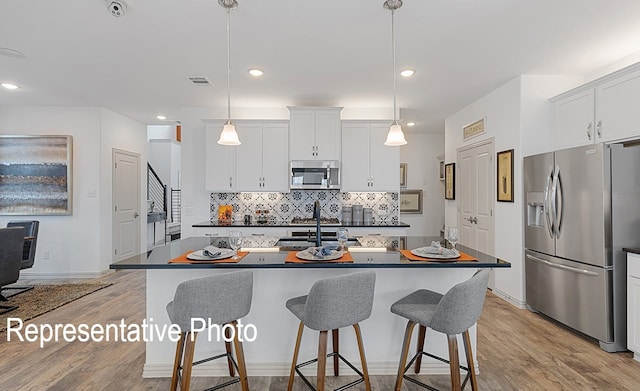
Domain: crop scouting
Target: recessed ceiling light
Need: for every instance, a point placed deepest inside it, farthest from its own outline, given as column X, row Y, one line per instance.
column 407, row 73
column 161, row 117
column 411, row 124
column 255, row 72
column 9, row 86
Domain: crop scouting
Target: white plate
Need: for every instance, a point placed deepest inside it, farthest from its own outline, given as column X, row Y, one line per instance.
column 199, row 256
column 307, row 256
column 422, row 253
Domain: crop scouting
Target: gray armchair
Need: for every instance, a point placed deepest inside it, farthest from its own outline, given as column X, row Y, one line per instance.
column 11, row 246
column 29, row 248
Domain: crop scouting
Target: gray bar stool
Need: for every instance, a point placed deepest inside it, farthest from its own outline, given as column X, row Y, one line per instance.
column 222, row 299
column 451, row 314
column 333, row 303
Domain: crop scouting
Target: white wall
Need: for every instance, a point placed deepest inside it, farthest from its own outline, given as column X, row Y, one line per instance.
column 421, row 154
column 123, row 133
column 517, row 116
column 68, row 240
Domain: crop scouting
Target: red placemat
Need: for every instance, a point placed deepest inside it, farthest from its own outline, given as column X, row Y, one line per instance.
column 464, row 257
column 291, row 258
column 183, row 258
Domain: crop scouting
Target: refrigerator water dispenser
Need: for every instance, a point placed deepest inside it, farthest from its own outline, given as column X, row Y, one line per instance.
column 535, row 209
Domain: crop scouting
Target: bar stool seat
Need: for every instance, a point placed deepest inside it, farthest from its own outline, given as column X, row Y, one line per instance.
column 451, row 314
column 331, row 304
column 219, row 300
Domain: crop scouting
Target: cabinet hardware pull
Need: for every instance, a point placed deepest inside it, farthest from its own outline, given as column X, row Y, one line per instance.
column 599, row 128
column 589, row 130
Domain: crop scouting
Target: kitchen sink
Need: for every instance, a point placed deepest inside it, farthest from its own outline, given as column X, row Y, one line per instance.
column 297, row 244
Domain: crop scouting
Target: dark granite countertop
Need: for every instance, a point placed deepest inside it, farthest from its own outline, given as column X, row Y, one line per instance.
column 158, row 258
column 209, row 224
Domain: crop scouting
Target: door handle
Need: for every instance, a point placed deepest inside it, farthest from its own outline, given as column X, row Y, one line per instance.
column 563, row 267
column 135, row 215
column 547, row 194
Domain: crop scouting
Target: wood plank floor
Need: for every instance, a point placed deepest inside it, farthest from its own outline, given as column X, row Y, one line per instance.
column 518, row 350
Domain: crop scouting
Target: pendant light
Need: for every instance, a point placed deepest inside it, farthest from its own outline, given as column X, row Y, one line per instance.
column 228, row 136
column 395, row 137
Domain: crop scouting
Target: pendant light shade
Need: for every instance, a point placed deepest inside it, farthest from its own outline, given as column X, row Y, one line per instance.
column 395, row 137
column 228, row 136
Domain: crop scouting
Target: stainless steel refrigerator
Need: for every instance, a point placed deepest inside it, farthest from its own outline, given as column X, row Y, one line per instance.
column 582, row 208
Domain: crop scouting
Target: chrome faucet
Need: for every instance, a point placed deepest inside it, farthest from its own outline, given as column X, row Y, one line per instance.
column 316, row 215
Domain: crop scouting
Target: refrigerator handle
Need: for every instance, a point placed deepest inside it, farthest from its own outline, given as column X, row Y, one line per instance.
column 554, row 198
column 564, row 267
column 560, row 206
column 546, row 202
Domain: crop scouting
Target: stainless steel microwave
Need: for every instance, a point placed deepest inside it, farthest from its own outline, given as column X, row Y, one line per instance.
column 314, row 174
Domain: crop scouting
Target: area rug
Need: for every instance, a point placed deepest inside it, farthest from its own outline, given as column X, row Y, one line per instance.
column 44, row 298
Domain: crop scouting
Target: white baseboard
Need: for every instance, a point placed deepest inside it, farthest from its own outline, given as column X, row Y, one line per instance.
column 518, row 303
column 210, row 369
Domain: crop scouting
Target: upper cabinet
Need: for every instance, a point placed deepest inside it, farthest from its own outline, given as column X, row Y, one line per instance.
column 367, row 164
column 314, row 133
column 260, row 163
column 604, row 110
column 617, row 113
column 573, row 119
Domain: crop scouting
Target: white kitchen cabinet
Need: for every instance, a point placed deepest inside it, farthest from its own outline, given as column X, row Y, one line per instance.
column 219, row 161
column 262, row 159
column 604, row 110
column 617, row 114
column 314, row 133
column 573, row 120
column 633, row 304
column 367, row 164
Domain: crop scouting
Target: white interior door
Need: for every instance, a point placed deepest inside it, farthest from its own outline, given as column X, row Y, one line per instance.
column 477, row 195
column 126, row 204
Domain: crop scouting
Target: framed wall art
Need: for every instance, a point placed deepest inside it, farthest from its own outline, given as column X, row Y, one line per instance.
column 505, row 176
column 411, row 201
column 403, row 174
column 36, row 175
column 450, row 181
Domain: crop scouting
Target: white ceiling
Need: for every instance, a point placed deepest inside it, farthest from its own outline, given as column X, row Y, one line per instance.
column 330, row 52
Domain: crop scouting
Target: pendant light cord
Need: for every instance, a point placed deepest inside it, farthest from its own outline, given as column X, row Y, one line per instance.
column 228, row 64
column 393, row 56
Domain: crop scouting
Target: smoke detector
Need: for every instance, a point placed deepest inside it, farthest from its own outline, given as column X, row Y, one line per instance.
column 116, row 7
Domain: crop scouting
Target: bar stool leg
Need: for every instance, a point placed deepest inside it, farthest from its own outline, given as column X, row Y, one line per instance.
column 335, row 340
column 454, row 362
column 177, row 361
column 227, row 345
column 242, row 368
column 405, row 353
column 295, row 357
column 420, row 347
column 363, row 358
column 470, row 365
column 188, row 360
column 322, row 359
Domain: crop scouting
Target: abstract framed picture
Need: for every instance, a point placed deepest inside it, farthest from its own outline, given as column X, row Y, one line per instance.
column 450, row 181
column 505, row 176
column 36, row 175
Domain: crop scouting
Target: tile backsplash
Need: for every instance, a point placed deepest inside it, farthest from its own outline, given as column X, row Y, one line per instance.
column 283, row 207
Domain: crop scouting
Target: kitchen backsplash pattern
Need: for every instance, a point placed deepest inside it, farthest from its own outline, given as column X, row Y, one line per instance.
column 283, row 207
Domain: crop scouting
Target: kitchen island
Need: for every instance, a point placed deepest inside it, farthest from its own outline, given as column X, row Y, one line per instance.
column 276, row 281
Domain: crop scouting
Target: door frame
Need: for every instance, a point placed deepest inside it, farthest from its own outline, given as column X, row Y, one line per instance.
column 114, row 224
